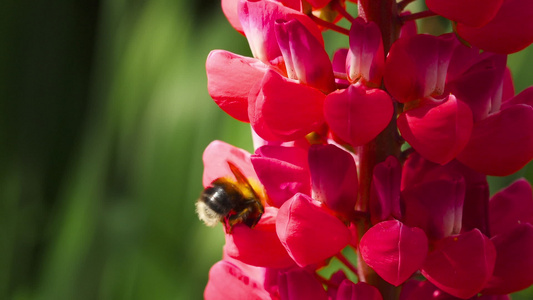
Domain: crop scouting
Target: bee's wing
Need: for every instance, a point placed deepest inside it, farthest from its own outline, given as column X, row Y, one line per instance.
column 239, row 176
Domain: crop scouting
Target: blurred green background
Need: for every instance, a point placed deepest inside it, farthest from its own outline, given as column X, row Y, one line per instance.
column 104, row 118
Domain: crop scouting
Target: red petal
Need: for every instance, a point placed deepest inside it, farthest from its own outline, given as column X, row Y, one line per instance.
column 395, row 251
column 227, row 281
column 356, row 114
column 511, row 30
column 283, row 171
column 510, row 207
column 229, row 8
column 416, row 66
column 334, row 177
column 216, row 157
column 502, row 143
column 299, row 284
column 437, row 131
column 461, row 265
column 435, row 206
column 473, row 13
column 230, row 91
column 514, row 262
column 284, row 110
column 258, row 246
column 366, row 59
column 308, row 232
column 385, row 190
column 351, row 291
column 305, row 58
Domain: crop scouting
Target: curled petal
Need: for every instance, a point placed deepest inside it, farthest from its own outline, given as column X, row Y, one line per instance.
column 385, row 190
column 298, row 284
column 435, row 206
column 228, row 281
column 229, row 8
column 258, row 246
column 258, row 17
column 461, row 265
column 284, row 110
column 305, row 58
column 416, row 66
column 525, row 97
column 366, row 59
column 334, row 177
column 478, row 85
column 309, row 233
column 514, row 261
column 216, row 157
column 510, row 207
column 472, row 13
column 356, row 114
column 339, row 65
column 395, row 251
column 283, row 171
column 502, row 143
column 437, row 131
column 362, row 290
column 511, row 30
column 230, row 91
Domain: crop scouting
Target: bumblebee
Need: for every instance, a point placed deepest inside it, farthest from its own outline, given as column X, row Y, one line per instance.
column 230, row 202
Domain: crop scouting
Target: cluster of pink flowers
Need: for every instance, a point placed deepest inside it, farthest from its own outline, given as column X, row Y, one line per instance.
column 383, row 150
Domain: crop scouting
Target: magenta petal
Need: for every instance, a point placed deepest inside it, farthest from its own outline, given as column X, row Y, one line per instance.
column 473, row 13
column 308, row 232
column 229, row 8
column 514, row 261
column 258, row 246
column 339, row 65
column 285, row 110
column 366, row 59
column 366, row 111
column 525, row 97
column 334, row 177
column 385, row 190
column 362, row 290
column 502, row 143
column 416, row 66
column 478, row 85
column 258, row 18
column 297, row 284
column 283, row 171
column 230, row 91
column 461, row 265
column 435, row 206
column 437, row 131
column 228, row 281
column 395, row 251
column 510, row 207
column 511, row 30
column 216, row 157
column 305, row 58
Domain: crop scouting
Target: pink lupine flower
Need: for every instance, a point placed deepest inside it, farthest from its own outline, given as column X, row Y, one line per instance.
column 351, row 291
column 304, row 55
column 303, row 224
column 282, row 109
column 510, row 30
column 365, row 60
column 510, row 207
column 471, row 13
column 416, row 66
column 461, row 265
column 258, row 20
column 438, row 130
column 357, row 114
column 296, row 284
column 230, row 92
column 283, row 171
column 334, row 178
column 385, row 190
column 395, row 251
